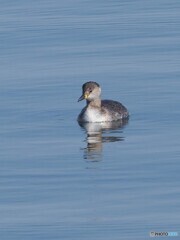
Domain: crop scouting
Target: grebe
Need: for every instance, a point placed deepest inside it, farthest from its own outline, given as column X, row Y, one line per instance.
column 98, row 110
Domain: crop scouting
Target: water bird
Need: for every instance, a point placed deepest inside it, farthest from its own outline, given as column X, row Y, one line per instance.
column 97, row 110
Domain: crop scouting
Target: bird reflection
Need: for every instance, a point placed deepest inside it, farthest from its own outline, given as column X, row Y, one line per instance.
column 99, row 133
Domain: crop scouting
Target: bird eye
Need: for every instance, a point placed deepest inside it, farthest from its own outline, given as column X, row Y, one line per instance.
column 90, row 90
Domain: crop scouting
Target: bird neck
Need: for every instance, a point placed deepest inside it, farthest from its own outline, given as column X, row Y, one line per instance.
column 94, row 103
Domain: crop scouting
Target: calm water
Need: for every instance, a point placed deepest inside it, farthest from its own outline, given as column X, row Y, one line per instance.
column 59, row 180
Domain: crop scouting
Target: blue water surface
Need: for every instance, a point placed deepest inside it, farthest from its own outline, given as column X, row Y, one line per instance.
column 59, row 180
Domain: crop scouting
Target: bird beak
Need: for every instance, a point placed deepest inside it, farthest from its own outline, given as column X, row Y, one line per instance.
column 84, row 96
column 81, row 98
